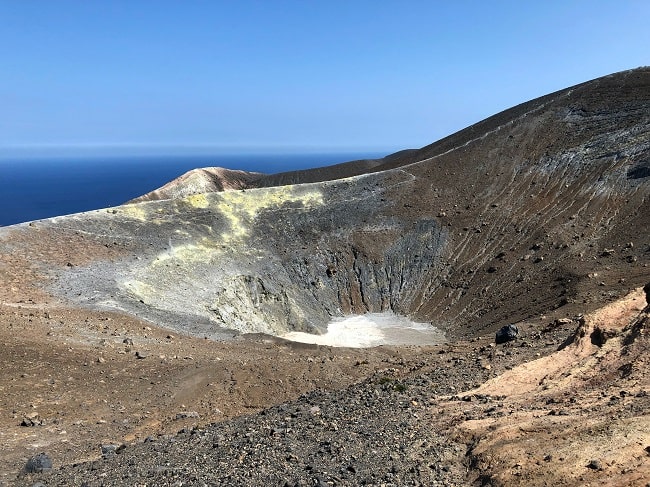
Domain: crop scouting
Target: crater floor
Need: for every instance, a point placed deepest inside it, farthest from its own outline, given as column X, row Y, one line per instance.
column 372, row 330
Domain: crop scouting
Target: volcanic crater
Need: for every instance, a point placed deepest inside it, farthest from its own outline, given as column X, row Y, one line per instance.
column 537, row 214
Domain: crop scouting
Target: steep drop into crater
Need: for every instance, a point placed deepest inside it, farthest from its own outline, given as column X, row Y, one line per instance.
column 541, row 206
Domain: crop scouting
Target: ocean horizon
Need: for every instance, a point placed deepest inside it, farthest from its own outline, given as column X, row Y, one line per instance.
column 37, row 188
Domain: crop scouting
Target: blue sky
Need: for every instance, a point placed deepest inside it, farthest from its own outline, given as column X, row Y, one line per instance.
column 243, row 76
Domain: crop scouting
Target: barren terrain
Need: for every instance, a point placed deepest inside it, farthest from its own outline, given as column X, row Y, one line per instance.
column 139, row 345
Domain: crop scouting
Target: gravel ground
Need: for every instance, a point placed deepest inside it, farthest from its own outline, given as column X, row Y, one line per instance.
column 381, row 431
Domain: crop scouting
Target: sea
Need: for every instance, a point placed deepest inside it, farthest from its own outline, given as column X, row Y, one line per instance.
column 32, row 189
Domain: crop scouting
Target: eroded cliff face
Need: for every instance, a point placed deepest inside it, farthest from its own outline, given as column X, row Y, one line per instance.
column 542, row 206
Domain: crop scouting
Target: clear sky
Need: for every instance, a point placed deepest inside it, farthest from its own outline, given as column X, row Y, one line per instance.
column 241, row 75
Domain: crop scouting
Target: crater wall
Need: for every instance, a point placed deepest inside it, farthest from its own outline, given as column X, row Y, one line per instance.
column 543, row 206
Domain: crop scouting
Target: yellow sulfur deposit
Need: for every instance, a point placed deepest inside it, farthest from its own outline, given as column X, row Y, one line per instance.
column 134, row 211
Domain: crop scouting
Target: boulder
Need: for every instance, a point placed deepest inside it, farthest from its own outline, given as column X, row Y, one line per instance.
column 506, row 334
column 38, row 463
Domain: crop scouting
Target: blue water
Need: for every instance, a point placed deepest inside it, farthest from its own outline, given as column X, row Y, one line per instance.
column 32, row 189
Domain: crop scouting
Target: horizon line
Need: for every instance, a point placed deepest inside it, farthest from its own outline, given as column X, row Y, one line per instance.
column 104, row 150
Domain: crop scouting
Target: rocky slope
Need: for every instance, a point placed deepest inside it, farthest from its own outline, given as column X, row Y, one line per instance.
column 567, row 418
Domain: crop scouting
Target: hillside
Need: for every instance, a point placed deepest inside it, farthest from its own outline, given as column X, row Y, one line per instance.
column 203, row 180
